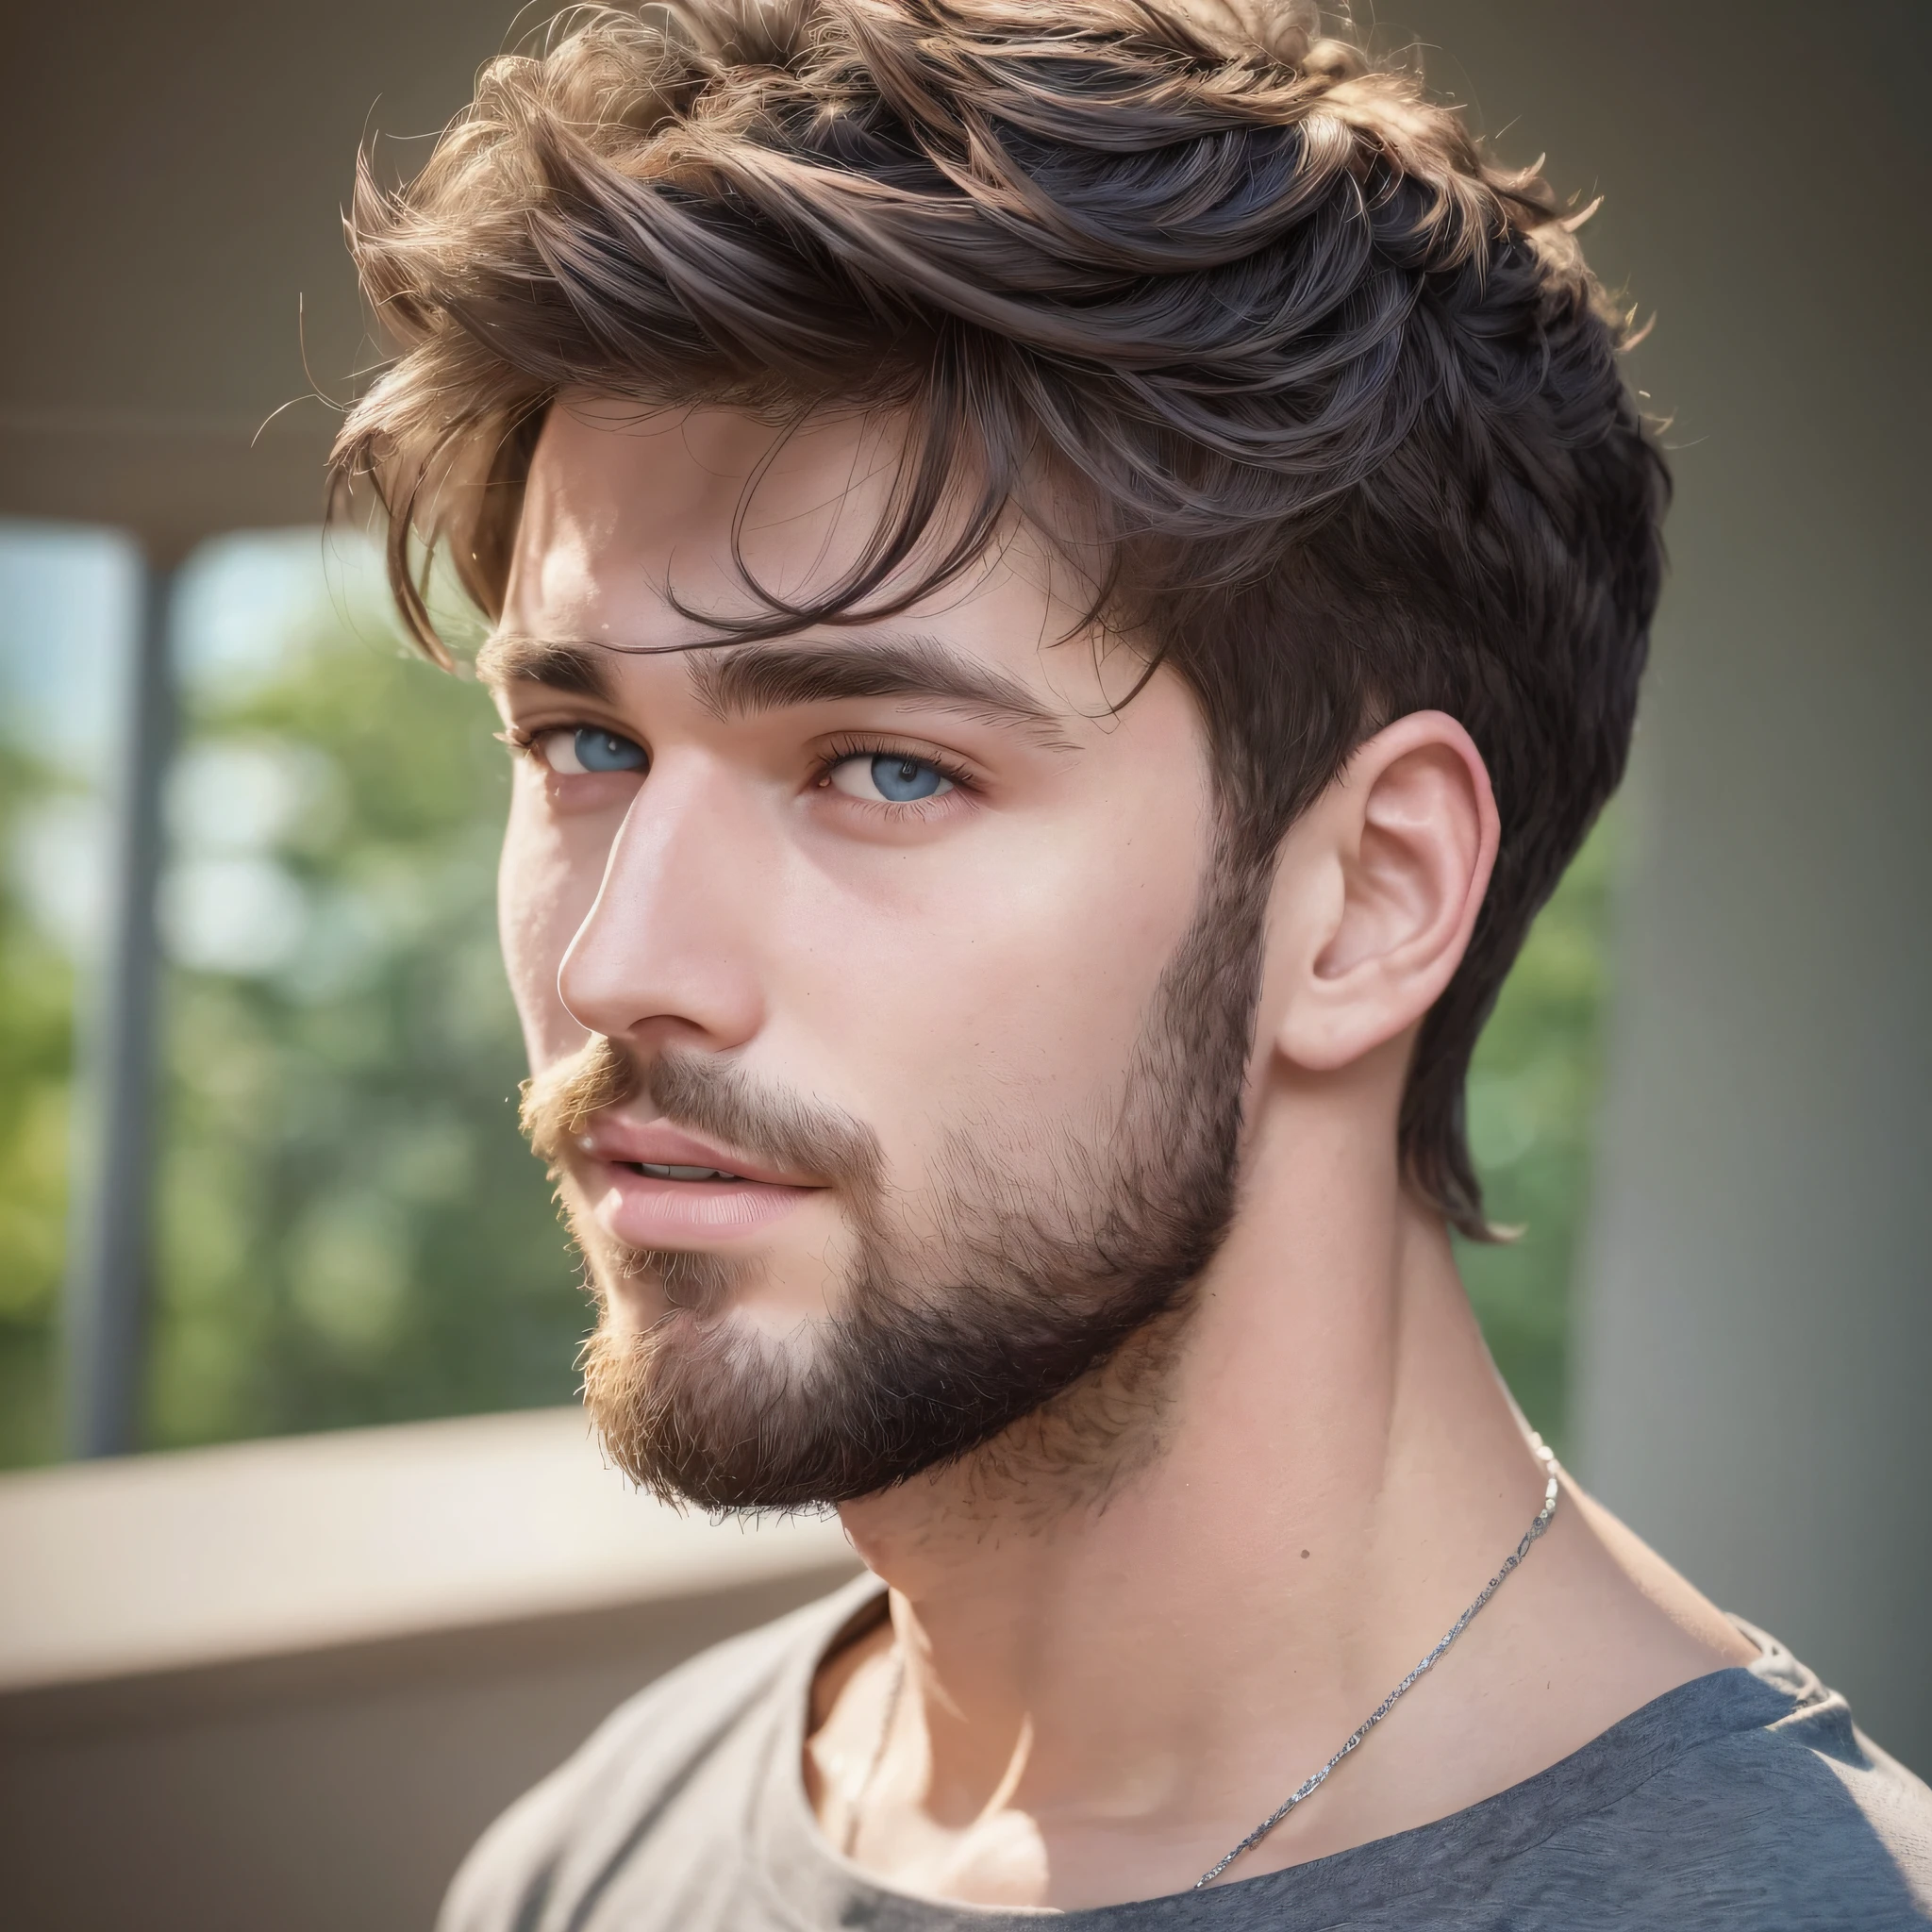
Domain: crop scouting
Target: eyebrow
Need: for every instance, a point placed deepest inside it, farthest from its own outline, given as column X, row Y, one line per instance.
column 583, row 669
column 740, row 680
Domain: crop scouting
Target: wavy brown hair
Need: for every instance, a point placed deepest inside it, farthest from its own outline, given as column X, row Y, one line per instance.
column 1325, row 401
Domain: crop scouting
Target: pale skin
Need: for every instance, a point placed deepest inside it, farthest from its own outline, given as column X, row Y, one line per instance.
column 1099, row 1697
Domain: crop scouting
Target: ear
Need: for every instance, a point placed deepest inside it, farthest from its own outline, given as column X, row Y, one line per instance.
column 1378, row 892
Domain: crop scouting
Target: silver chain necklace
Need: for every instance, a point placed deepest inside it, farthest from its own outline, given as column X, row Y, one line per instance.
column 1315, row 1784
column 1394, row 1697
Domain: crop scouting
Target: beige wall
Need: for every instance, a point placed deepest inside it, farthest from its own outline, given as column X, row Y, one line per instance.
column 330, row 1793
column 1754, row 1342
column 281, row 1687
column 172, row 180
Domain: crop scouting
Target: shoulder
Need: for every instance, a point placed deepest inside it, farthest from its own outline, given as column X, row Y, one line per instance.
column 556, row 1842
column 1744, row 1800
column 1785, row 1817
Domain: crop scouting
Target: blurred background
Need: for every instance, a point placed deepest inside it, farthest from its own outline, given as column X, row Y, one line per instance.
column 259, row 1176
column 345, row 1227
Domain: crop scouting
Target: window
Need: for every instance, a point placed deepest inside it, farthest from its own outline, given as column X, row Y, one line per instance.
column 69, row 602
column 348, row 1228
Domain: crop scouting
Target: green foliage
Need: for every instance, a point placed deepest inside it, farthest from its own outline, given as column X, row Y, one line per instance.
column 351, row 1228
column 1532, row 1112
column 36, row 1067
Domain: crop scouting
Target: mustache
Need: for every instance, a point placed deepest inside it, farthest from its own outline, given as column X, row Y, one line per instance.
column 707, row 1095
column 560, row 1102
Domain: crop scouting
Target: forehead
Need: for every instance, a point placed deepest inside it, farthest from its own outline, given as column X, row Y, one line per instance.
column 629, row 515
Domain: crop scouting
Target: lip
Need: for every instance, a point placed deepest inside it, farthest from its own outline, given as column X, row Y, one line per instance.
column 644, row 1212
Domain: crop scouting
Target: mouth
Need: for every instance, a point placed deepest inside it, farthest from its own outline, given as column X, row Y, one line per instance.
column 653, row 1185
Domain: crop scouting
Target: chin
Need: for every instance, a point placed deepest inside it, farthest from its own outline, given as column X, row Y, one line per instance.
column 686, row 1402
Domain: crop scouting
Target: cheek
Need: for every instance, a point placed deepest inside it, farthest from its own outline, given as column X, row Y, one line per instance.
column 1008, row 984
column 545, row 888
column 1043, row 960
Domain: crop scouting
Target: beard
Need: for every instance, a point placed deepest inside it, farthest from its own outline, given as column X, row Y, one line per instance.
column 1022, row 1309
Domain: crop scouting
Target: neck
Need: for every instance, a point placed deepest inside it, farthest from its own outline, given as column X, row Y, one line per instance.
column 1333, row 1459
column 1335, row 1472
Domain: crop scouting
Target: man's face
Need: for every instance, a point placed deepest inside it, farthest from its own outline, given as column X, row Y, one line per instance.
column 887, row 1009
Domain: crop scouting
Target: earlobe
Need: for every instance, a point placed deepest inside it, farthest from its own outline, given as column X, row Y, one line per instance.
column 1377, row 903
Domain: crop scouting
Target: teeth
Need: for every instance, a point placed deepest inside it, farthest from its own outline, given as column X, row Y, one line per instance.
column 660, row 1172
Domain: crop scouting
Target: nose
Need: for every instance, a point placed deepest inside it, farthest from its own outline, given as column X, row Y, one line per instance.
column 668, row 953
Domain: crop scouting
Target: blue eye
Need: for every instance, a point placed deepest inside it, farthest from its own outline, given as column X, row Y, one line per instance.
column 889, row 775
column 603, row 751
column 902, row 780
column 588, row 748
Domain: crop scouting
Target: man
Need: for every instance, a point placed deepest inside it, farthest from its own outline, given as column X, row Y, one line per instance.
column 1065, row 582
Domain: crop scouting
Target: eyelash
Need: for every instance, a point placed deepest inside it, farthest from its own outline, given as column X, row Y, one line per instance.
column 522, row 739
column 841, row 748
column 522, row 742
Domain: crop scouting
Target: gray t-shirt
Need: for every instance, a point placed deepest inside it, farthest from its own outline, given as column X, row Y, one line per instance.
column 1744, row 1799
